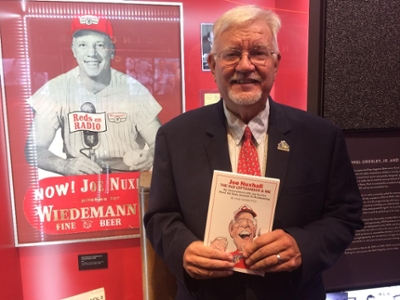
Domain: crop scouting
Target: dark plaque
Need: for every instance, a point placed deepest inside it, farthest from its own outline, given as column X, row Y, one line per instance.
column 373, row 259
column 93, row 261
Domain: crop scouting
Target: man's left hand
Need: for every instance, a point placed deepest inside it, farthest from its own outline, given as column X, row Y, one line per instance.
column 274, row 251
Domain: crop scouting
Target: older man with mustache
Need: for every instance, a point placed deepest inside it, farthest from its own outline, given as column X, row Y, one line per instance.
column 319, row 204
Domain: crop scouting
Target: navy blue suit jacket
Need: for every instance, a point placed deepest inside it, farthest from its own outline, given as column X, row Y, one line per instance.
column 319, row 203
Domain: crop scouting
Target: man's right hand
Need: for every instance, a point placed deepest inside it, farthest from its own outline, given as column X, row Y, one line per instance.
column 203, row 262
column 80, row 166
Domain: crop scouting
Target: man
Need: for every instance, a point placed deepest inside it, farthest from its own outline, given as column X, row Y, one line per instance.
column 106, row 117
column 242, row 229
column 319, row 204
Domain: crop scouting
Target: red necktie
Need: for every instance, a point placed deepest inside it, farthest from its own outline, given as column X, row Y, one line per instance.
column 248, row 157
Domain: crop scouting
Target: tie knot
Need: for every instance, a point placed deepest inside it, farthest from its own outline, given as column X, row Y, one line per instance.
column 247, row 133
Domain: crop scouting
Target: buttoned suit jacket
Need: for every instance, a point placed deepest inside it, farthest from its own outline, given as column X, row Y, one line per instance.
column 319, row 203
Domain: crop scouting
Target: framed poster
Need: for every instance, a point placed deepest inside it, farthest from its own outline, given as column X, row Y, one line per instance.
column 85, row 87
column 207, row 38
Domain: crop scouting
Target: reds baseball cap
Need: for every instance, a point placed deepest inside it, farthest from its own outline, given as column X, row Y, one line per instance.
column 88, row 22
column 244, row 208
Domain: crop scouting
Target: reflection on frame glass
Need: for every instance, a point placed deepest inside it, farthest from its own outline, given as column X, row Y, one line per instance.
column 207, row 38
column 337, row 296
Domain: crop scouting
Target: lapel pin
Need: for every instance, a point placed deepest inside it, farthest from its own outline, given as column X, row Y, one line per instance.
column 283, row 146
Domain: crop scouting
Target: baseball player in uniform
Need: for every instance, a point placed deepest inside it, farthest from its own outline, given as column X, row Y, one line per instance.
column 103, row 114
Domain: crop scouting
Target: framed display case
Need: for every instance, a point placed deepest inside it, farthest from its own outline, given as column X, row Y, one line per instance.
column 85, row 86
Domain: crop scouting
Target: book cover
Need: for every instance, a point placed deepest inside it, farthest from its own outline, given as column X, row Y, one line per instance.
column 241, row 208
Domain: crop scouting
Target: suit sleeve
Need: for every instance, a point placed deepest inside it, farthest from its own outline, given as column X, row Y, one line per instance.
column 323, row 241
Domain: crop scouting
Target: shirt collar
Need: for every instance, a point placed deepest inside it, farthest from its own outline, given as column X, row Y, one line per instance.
column 258, row 125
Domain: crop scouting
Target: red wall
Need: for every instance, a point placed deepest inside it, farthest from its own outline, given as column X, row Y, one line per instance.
column 10, row 272
column 291, row 84
column 51, row 272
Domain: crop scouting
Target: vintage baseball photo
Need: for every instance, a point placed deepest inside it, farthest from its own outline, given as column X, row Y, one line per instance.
column 86, row 89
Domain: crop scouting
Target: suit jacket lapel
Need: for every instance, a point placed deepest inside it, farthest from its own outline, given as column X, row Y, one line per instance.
column 278, row 127
column 216, row 140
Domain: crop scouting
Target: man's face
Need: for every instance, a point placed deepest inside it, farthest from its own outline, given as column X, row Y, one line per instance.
column 243, row 230
column 93, row 52
column 245, row 83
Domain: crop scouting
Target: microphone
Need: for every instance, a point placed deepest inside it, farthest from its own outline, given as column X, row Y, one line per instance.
column 90, row 138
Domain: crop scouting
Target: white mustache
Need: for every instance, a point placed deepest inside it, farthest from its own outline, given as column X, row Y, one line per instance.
column 241, row 78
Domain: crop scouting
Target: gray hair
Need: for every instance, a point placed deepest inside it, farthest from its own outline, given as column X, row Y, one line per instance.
column 247, row 14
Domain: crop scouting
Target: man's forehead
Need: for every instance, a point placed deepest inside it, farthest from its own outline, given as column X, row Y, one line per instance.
column 82, row 34
column 249, row 35
column 243, row 214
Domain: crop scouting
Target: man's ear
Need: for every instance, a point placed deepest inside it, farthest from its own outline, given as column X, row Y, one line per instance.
column 112, row 50
column 72, row 50
column 230, row 228
column 211, row 63
column 276, row 62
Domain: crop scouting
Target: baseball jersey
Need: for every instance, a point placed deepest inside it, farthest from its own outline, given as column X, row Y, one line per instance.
column 125, row 106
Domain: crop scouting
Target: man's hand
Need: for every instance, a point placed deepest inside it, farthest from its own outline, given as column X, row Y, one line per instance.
column 262, row 253
column 80, row 166
column 203, row 262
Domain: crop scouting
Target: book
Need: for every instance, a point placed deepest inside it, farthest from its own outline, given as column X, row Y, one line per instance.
column 241, row 208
